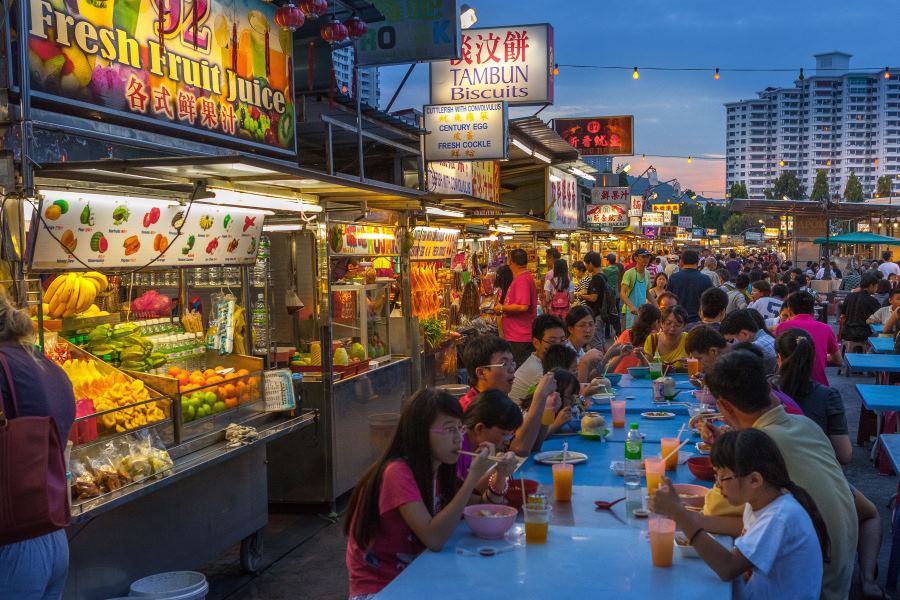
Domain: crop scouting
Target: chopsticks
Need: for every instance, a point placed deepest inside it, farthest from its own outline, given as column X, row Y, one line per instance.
column 496, row 459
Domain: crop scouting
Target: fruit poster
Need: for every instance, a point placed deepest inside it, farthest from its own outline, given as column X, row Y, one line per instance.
column 362, row 240
column 127, row 233
column 220, row 68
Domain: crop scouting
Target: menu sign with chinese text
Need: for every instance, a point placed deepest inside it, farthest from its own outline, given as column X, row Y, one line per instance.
column 220, row 69
column 654, row 219
column 685, row 222
column 671, row 208
column 598, row 136
column 608, row 215
column 430, row 243
column 411, row 32
column 486, row 180
column 466, row 131
column 636, row 208
column 362, row 240
column 561, row 199
column 512, row 64
column 449, row 177
column 616, row 195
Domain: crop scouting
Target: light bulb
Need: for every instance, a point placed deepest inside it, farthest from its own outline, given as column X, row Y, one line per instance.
column 780, row 163
column 690, row 159
column 635, row 75
column 716, row 76
column 887, row 72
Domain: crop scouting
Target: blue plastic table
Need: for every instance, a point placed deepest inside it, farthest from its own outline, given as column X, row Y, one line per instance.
column 879, row 398
column 888, row 363
column 681, row 382
column 588, row 553
column 877, row 327
column 882, row 345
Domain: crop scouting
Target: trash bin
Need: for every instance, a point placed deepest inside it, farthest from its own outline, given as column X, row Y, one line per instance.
column 175, row 585
column 381, row 431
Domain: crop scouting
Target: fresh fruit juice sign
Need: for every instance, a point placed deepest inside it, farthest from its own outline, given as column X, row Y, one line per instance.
column 130, row 233
column 220, row 68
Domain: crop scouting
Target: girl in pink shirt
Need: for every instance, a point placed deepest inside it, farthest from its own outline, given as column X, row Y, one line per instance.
column 411, row 499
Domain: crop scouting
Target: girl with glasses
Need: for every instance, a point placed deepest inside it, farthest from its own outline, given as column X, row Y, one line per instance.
column 410, row 499
column 669, row 341
column 784, row 539
column 491, row 420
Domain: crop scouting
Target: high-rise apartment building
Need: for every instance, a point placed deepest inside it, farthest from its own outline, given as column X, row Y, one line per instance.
column 835, row 119
column 368, row 77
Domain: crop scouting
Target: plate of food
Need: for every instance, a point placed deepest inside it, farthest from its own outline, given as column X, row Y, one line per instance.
column 658, row 414
column 554, row 457
column 703, row 447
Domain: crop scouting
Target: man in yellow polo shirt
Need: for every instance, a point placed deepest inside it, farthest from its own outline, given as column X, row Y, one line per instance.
column 738, row 382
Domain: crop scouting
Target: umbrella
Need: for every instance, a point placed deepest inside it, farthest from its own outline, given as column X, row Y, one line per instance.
column 858, row 237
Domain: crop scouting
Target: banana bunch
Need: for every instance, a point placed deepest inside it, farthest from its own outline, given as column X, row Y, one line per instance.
column 74, row 293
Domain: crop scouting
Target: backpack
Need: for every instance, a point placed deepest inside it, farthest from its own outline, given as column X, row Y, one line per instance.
column 608, row 308
column 559, row 304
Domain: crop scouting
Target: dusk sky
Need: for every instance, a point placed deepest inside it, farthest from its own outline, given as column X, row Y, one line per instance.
column 681, row 113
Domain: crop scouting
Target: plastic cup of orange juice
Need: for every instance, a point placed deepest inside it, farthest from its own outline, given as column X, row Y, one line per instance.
column 537, row 522
column 662, row 541
column 655, row 468
column 562, row 482
column 668, row 446
column 693, row 367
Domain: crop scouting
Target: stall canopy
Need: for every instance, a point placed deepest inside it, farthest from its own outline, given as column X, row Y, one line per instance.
column 858, row 237
column 839, row 210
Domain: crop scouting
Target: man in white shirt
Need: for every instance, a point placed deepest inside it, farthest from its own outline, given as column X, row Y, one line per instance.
column 709, row 269
column 546, row 331
column 888, row 267
column 883, row 314
column 763, row 302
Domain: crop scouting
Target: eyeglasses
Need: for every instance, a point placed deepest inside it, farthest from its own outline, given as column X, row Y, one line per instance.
column 506, row 364
column 721, row 480
column 449, row 429
column 554, row 341
column 730, row 341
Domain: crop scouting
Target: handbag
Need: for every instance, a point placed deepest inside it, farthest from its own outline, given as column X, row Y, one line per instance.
column 33, row 483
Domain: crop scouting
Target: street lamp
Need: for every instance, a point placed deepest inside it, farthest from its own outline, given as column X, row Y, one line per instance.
column 467, row 16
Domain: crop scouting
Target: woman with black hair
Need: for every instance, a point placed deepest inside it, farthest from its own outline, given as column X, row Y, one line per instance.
column 491, row 418
column 669, row 341
column 785, row 538
column 559, row 290
column 646, row 323
column 411, row 499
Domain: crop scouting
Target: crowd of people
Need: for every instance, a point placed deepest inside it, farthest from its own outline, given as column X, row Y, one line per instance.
column 751, row 324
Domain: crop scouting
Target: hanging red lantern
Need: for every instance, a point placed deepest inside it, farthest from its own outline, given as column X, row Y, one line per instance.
column 356, row 27
column 334, row 32
column 313, row 9
column 289, row 17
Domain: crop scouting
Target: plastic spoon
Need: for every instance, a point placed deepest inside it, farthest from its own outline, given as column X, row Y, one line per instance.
column 604, row 505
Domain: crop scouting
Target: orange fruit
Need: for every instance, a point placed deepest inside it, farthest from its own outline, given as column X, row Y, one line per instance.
column 173, row 371
column 214, row 379
column 189, row 387
column 209, row 373
column 229, row 390
column 252, row 381
column 184, row 378
column 231, row 402
column 242, row 372
column 218, row 368
column 197, row 378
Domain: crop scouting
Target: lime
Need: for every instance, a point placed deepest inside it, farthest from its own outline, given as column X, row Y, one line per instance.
column 218, row 407
column 210, row 398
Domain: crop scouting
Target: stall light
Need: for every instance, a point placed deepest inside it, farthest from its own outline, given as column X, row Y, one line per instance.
column 283, row 227
column 243, row 199
column 443, row 212
column 554, row 178
column 502, row 229
column 540, row 156
column 437, row 229
column 557, row 243
column 521, row 146
column 71, row 196
column 578, row 172
column 562, row 236
column 490, row 238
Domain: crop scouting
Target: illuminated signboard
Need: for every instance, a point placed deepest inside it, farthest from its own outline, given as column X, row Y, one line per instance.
column 513, row 63
column 562, row 199
column 685, row 222
column 598, row 136
column 466, row 131
column 616, row 195
column 218, row 69
column 654, row 219
column 608, row 215
column 411, row 32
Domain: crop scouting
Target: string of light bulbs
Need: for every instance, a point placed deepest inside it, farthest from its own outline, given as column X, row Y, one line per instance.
column 717, row 71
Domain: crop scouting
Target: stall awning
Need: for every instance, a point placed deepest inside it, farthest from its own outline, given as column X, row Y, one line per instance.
column 840, row 210
column 858, row 237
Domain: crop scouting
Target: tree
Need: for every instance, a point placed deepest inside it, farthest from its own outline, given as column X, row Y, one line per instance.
column 738, row 190
column 786, row 186
column 623, row 179
column 853, row 192
column 820, row 191
column 883, row 187
column 737, row 223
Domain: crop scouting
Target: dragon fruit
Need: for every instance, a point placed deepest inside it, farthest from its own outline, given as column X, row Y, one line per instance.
column 152, row 302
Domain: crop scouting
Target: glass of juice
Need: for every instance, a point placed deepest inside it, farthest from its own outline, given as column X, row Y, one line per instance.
column 655, row 468
column 693, row 367
column 562, row 482
column 617, row 407
column 537, row 522
column 668, row 445
column 662, row 541
column 655, row 370
column 548, row 417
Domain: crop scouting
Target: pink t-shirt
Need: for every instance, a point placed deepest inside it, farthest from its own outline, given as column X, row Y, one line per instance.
column 629, row 361
column 466, row 400
column 824, row 341
column 395, row 545
column 517, row 326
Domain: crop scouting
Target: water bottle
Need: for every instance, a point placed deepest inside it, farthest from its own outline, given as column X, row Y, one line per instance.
column 260, row 326
column 633, row 449
column 261, row 268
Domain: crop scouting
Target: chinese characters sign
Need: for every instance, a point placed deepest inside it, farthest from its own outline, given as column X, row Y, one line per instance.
column 636, row 208
column 501, row 63
column 219, row 68
column 685, row 222
column 430, row 243
column 616, row 195
column 479, row 179
column 411, row 32
column 598, row 136
column 562, row 199
column 671, row 208
column 486, row 180
column 653, row 219
column 608, row 215
column 362, row 240
column 466, row 131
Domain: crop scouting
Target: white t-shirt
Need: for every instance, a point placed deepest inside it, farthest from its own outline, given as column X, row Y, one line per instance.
column 767, row 306
column 881, row 315
column 889, row 268
column 550, row 286
column 781, row 543
column 527, row 375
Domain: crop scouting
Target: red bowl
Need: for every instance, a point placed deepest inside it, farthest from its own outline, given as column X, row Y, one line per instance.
column 514, row 492
column 702, row 468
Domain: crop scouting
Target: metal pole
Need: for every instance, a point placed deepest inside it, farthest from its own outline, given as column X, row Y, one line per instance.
column 827, row 250
column 409, row 71
column 359, row 121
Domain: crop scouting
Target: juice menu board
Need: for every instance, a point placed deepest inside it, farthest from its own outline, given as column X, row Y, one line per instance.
column 127, row 233
column 219, row 69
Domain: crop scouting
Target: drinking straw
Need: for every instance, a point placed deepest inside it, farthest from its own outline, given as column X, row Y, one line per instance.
column 522, row 479
column 565, row 452
column 675, row 451
column 680, row 431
